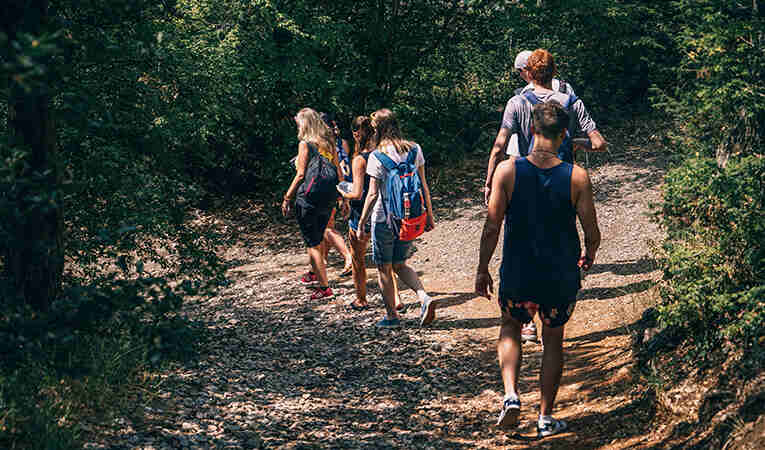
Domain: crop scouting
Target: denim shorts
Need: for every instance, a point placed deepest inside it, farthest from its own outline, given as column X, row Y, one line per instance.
column 386, row 248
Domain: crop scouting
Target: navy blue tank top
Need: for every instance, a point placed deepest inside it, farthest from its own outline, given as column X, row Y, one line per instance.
column 541, row 248
column 357, row 206
column 345, row 161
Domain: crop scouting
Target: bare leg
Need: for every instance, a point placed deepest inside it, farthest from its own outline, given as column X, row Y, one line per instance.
column 408, row 276
column 336, row 240
column 396, row 293
column 359, row 267
column 385, row 277
column 552, row 367
column 316, row 257
column 510, row 352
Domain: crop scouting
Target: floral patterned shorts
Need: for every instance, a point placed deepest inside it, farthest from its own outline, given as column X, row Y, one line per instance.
column 554, row 315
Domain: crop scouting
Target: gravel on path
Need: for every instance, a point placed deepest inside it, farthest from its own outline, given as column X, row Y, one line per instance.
column 283, row 372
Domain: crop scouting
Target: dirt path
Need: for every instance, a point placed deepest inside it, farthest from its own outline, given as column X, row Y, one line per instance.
column 283, row 372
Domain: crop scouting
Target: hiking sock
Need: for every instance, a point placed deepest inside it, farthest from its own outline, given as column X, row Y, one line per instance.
column 422, row 295
column 510, row 395
column 544, row 420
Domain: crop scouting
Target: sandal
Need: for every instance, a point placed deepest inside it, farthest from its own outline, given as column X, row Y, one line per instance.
column 347, row 271
column 353, row 306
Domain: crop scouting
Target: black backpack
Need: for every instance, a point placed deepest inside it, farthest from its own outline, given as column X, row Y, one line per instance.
column 319, row 188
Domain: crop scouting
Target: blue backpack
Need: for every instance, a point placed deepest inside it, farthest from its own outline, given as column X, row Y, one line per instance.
column 404, row 204
column 566, row 149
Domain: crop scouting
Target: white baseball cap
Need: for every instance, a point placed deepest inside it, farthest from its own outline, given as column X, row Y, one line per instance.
column 521, row 59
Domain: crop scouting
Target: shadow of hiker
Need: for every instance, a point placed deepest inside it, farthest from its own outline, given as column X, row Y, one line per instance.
column 465, row 324
column 614, row 292
column 640, row 266
column 454, row 299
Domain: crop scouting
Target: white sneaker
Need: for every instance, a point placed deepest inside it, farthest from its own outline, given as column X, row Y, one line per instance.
column 427, row 311
column 529, row 332
column 554, row 426
column 511, row 412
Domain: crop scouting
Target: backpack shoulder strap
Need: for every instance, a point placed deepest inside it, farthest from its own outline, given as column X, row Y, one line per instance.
column 385, row 160
column 530, row 97
column 571, row 100
column 312, row 150
column 412, row 156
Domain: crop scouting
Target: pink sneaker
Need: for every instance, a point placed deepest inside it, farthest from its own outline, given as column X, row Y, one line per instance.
column 322, row 294
column 309, row 278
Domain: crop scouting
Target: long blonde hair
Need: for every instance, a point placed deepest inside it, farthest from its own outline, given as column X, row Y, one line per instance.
column 386, row 129
column 313, row 130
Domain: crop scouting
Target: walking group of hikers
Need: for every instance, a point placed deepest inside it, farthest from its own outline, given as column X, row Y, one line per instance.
column 538, row 193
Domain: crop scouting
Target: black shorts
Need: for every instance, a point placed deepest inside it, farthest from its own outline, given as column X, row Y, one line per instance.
column 312, row 222
column 557, row 313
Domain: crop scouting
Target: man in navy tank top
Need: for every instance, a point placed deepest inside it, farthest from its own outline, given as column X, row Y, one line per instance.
column 538, row 198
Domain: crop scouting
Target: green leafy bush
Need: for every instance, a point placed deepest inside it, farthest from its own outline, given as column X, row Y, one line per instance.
column 712, row 87
column 714, row 266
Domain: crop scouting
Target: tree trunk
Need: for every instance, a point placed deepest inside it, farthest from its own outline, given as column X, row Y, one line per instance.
column 35, row 260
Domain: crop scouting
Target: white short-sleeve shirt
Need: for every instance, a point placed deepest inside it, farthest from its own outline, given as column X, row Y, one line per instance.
column 376, row 169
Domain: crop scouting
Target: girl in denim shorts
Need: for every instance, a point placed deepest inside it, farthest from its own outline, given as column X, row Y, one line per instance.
column 389, row 253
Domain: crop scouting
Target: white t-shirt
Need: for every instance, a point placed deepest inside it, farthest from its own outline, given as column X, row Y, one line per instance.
column 376, row 169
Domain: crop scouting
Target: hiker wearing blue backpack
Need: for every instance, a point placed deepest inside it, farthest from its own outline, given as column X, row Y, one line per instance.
column 516, row 119
column 399, row 205
column 521, row 60
column 314, row 190
column 529, row 331
column 539, row 198
column 363, row 135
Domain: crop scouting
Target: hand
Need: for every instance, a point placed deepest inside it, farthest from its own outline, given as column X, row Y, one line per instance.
column 360, row 232
column 484, row 285
column 429, row 223
column 598, row 143
column 285, row 207
column 585, row 262
column 340, row 191
column 486, row 194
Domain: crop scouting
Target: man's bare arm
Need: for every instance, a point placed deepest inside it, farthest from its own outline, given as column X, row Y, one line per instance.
column 500, row 144
column 584, row 202
column 496, row 213
column 501, row 192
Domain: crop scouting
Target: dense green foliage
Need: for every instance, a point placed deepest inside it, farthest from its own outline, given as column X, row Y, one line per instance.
column 161, row 108
column 715, row 267
column 714, row 88
column 714, row 261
